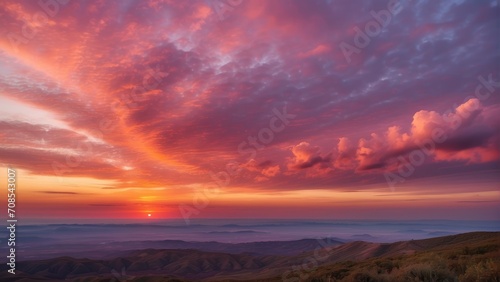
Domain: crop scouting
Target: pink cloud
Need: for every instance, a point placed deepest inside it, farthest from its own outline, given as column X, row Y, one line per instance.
column 467, row 133
column 271, row 171
column 308, row 158
column 346, row 154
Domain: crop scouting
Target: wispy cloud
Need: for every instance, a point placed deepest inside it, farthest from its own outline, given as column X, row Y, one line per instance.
column 149, row 94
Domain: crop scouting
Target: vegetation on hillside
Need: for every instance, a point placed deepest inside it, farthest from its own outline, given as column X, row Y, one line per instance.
column 472, row 262
column 462, row 257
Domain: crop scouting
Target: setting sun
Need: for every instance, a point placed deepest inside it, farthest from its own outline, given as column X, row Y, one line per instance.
column 279, row 140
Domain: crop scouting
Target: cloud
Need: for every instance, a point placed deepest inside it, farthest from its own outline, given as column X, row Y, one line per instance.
column 306, row 156
column 346, row 154
column 467, row 133
column 271, row 171
column 265, row 169
column 59, row 192
column 171, row 90
column 107, row 205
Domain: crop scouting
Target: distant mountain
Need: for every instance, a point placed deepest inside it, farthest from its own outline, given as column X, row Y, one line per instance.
column 114, row 249
column 440, row 233
column 469, row 256
column 236, row 232
column 412, row 231
column 364, row 237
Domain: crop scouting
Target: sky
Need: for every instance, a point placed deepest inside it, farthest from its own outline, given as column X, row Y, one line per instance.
column 251, row 109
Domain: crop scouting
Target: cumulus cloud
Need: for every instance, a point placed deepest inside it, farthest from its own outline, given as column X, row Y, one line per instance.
column 467, row 133
column 346, row 154
column 306, row 156
column 171, row 90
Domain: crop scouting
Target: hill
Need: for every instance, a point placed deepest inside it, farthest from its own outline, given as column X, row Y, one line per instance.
column 464, row 257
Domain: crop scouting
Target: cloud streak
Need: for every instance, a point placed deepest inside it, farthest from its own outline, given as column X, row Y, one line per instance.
column 159, row 94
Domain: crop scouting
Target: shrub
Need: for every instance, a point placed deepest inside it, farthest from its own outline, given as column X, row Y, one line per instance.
column 340, row 274
column 365, row 276
column 483, row 271
column 385, row 266
column 426, row 273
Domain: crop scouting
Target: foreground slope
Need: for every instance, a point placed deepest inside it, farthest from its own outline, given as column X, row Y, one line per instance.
column 464, row 257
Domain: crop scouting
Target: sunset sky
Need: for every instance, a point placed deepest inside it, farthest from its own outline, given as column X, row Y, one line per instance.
column 251, row 108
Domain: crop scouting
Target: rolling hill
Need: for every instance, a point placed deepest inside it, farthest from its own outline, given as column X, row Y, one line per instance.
column 464, row 257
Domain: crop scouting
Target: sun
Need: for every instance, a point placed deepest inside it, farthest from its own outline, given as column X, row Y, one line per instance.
column 149, row 215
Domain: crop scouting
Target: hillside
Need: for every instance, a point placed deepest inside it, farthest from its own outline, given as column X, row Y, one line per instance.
column 466, row 257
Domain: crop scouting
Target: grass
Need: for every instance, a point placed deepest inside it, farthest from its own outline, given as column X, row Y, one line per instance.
column 473, row 262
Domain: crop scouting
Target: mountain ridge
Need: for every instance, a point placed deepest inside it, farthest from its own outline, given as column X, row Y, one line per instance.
column 192, row 264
